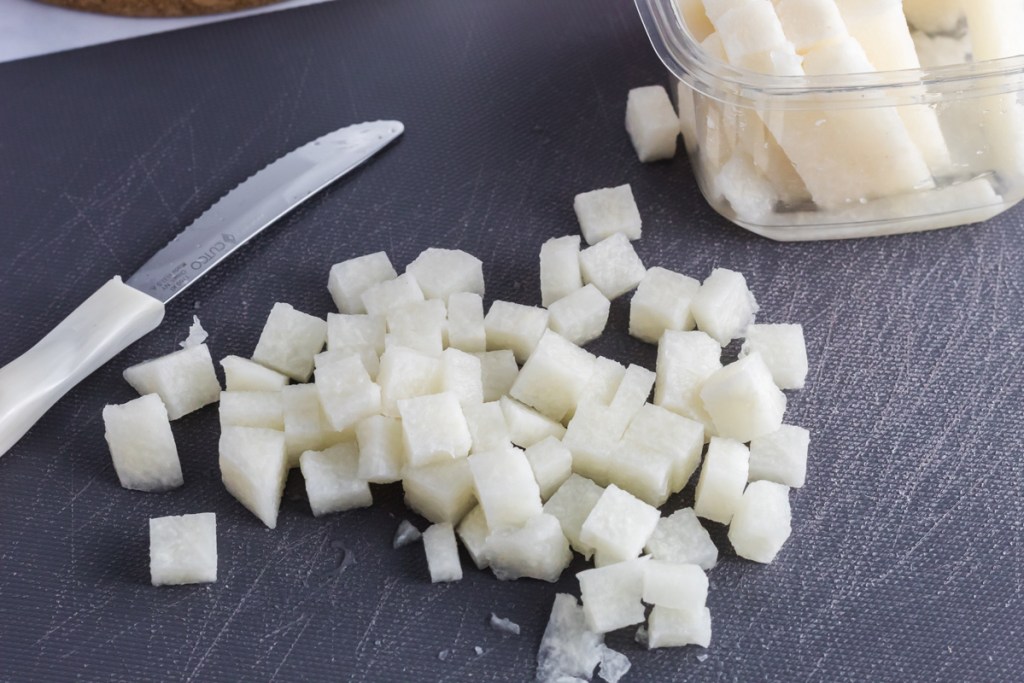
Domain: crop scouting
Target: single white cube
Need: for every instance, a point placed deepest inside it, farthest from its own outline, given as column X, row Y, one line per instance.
column 252, row 409
column 183, row 549
column 441, row 492
column 185, row 380
column 347, row 394
column 332, row 479
column 685, row 361
column 668, row 627
column 406, row 373
column 498, row 372
column 487, row 426
column 141, row 444
column 559, row 268
column 473, row 532
column 569, row 650
column 783, row 350
column 383, row 296
column 780, row 456
column 515, row 327
column 418, row 325
column 461, row 375
column 662, row 302
column 743, row 401
column 346, row 331
column 724, row 307
column 592, row 436
column 442, row 553
column 619, row 525
column 306, row 425
column 443, row 272
column 554, row 377
column 606, row 212
column 433, row 429
column 289, row 340
column 580, row 316
column 551, row 463
column 505, row 487
column 381, row 449
column 761, row 523
column 253, row 467
column 612, row 595
column 466, row 322
column 525, row 425
column 652, row 123
column 678, row 438
column 677, row 586
column 722, row 479
column 537, row 550
column 243, row 374
column 680, row 538
column 349, row 279
column 571, row 504
column 612, row 266
column 366, row 354
column 642, row 471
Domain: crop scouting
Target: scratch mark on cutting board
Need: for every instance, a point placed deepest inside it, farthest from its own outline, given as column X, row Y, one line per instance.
column 295, row 642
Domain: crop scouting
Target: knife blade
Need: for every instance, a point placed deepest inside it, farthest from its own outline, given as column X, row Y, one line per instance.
column 119, row 313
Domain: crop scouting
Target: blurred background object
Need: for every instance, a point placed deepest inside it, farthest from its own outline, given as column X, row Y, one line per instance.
column 159, row 8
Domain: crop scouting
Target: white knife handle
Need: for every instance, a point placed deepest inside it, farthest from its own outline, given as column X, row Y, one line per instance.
column 103, row 326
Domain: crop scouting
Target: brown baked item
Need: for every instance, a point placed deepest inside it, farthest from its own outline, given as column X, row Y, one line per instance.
column 159, row 8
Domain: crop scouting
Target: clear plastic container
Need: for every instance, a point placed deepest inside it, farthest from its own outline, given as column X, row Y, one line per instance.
column 797, row 157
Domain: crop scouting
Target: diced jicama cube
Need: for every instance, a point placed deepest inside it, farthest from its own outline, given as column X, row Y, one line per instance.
column 780, row 456
column 442, row 553
column 466, row 322
column 242, row 374
column 681, row 539
column 381, row 449
column 443, row 272
column 461, row 375
column 332, row 479
column 606, row 212
column 473, row 532
column 668, row 627
column 349, row 279
column 641, row 471
column 405, row 534
column 677, row 586
column 559, row 268
column 487, row 426
column 761, row 523
column 418, row 325
column 569, row 650
column 742, row 399
column 612, row 266
column 141, row 444
column 933, row 16
column 749, row 31
column 685, row 361
column 433, row 429
column 619, row 525
column 505, row 487
column 580, row 316
column 406, row 373
column 537, row 550
column 724, row 307
column 252, row 409
column 306, row 425
column 694, row 19
column 346, row 331
column 592, row 437
column 722, row 479
column 347, row 394
column 782, row 349
column 571, row 504
column 183, row 549
column 289, row 340
column 526, row 426
column 662, row 302
column 442, row 492
column 253, row 467
column 809, row 23
column 751, row 195
column 678, row 438
column 553, row 379
column 384, row 296
column 652, row 123
column 551, row 463
column 185, row 380
column 515, row 327
column 498, row 371
column 612, row 595
column 367, row 355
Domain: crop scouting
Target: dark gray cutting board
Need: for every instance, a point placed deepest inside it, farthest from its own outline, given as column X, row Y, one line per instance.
column 905, row 561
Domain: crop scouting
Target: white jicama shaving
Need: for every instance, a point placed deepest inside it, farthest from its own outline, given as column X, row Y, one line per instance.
column 405, row 535
column 504, row 625
column 613, row 666
column 196, row 334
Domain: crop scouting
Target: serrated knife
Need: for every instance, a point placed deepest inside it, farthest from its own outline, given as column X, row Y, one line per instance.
column 119, row 313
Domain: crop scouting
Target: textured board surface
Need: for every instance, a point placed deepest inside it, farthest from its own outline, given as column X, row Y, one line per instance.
column 905, row 561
